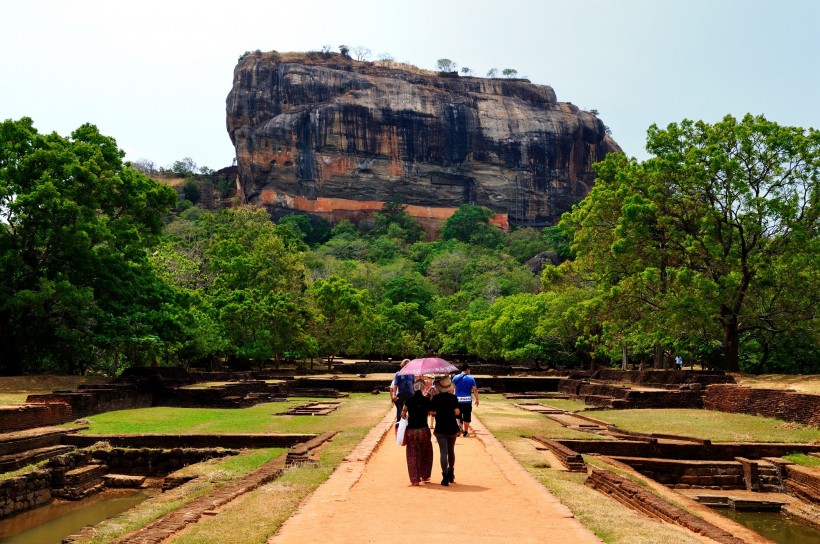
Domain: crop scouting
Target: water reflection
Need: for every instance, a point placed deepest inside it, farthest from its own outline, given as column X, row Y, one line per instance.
column 51, row 523
column 778, row 527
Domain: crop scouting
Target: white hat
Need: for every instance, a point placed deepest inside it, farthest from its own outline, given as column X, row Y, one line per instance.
column 444, row 385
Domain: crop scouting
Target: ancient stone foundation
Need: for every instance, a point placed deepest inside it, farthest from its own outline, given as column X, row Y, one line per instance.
column 23, row 493
column 28, row 416
column 648, row 504
column 781, row 404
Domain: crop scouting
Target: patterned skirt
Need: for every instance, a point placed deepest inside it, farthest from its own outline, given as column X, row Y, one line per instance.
column 419, row 451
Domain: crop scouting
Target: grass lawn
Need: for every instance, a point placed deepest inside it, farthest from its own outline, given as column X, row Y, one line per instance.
column 804, row 460
column 258, row 419
column 715, row 426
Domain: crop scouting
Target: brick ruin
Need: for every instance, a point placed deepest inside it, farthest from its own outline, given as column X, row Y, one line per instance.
column 80, row 465
column 685, row 463
column 787, row 405
column 678, row 462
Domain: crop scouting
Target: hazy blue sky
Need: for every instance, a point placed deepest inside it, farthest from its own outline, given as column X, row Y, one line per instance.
column 155, row 74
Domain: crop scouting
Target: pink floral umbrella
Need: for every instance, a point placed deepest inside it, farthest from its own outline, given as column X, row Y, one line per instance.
column 427, row 365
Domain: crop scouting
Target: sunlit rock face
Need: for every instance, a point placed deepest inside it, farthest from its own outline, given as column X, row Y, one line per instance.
column 331, row 136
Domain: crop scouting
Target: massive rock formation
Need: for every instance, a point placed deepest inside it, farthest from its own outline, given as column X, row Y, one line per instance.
column 328, row 135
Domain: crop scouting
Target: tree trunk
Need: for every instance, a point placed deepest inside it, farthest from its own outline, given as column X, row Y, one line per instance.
column 658, row 357
column 731, row 346
column 624, row 358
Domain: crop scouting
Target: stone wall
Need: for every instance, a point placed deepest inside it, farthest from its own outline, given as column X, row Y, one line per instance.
column 663, row 377
column 59, row 475
column 153, row 461
column 572, row 461
column 164, row 441
column 230, row 395
column 781, row 404
column 581, row 388
column 90, row 400
column 803, row 482
column 620, row 396
column 505, row 384
column 664, row 399
column 724, row 451
column 28, row 416
column 689, row 474
column 647, row 503
column 25, row 492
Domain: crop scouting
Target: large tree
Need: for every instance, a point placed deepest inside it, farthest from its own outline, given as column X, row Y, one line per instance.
column 343, row 312
column 76, row 222
column 716, row 235
column 245, row 284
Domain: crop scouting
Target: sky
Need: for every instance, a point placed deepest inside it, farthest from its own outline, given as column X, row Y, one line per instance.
column 155, row 74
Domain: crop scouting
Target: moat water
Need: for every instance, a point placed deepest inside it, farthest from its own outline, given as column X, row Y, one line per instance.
column 51, row 523
column 775, row 526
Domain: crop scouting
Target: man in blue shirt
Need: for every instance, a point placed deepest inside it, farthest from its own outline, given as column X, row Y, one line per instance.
column 465, row 391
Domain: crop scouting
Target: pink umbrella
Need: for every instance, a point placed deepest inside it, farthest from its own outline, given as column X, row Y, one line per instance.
column 427, row 365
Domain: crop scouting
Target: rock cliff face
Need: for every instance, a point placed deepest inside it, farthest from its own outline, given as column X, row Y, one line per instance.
column 332, row 136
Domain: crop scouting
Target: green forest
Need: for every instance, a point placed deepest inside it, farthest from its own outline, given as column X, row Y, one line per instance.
column 709, row 250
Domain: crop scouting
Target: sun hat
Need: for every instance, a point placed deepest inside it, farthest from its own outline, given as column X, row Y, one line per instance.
column 444, row 385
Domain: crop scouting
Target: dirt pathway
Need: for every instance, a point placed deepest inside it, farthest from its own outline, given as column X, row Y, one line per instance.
column 494, row 499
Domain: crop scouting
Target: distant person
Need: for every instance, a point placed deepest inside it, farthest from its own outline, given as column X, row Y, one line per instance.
column 445, row 405
column 401, row 389
column 465, row 391
column 419, row 445
column 679, row 362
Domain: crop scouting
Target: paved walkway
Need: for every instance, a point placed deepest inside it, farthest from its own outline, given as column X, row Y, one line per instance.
column 494, row 500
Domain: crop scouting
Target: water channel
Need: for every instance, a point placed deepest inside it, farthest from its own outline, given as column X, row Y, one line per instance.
column 53, row 522
column 775, row 526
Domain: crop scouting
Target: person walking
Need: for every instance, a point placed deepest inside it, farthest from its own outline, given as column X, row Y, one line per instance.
column 445, row 405
column 401, row 389
column 465, row 391
column 419, row 446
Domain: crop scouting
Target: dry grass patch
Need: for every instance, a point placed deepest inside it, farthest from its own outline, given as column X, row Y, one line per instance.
column 15, row 389
column 256, row 516
column 801, row 384
column 508, row 421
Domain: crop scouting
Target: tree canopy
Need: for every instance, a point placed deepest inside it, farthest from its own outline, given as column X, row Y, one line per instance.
column 709, row 249
column 76, row 225
column 713, row 241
